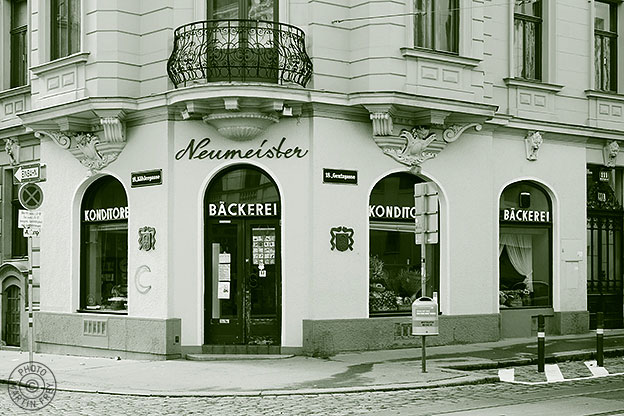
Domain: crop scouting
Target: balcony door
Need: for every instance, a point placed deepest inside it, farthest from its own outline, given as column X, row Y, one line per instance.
column 242, row 40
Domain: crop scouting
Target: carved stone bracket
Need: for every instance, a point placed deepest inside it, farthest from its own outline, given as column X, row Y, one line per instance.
column 610, row 152
column 382, row 123
column 12, row 149
column 413, row 147
column 532, row 142
column 92, row 151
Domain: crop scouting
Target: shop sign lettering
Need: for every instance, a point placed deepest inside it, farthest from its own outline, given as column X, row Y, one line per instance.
column 221, row 209
column 200, row 150
column 392, row 212
column 523, row 215
column 106, row 214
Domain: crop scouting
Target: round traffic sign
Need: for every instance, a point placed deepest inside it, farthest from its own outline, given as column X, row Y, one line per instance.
column 30, row 196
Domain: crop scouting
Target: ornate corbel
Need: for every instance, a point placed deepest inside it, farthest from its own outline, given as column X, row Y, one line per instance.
column 532, row 142
column 610, row 152
column 92, row 151
column 452, row 132
column 12, row 149
column 381, row 118
column 413, row 147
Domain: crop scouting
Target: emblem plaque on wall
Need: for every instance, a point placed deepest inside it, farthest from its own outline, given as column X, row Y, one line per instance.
column 147, row 238
column 341, row 238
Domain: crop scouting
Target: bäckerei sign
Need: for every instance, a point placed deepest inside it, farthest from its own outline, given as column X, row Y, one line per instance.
column 524, row 215
column 200, row 149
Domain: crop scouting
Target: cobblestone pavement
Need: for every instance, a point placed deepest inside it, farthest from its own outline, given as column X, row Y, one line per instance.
column 412, row 402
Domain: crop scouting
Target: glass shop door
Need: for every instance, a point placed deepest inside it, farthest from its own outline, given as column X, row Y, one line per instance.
column 243, row 284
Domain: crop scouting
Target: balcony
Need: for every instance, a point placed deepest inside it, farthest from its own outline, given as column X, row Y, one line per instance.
column 239, row 50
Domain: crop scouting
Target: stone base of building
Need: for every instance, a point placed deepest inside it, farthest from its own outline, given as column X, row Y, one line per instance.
column 328, row 337
column 107, row 335
column 522, row 323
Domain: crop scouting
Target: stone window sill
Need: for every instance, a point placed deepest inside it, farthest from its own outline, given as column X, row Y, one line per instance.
column 441, row 57
column 613, row 96
column 76, row 58
column 532, row 84
column 14, row 92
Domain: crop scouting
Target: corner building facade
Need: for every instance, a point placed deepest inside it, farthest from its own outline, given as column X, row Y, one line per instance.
column 249, row 188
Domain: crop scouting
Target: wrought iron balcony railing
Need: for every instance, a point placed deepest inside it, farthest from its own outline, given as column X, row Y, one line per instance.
column 239, row 50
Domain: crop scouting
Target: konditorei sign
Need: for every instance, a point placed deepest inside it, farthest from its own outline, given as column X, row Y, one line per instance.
column 199, row 150
column 105, row 214
column 146, row 178
column 340, row 176
column 392, row 212
column 524, row 215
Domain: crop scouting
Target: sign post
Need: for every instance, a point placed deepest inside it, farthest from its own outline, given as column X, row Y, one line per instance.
column 426, row 203
column 31, row 197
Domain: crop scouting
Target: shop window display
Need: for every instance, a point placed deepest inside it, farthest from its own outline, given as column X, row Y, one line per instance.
column 394, row 257
column 104, row 266
column 525, row 247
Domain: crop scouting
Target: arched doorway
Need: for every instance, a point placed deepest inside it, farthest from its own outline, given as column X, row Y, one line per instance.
column 12, row 316
column 242, row 257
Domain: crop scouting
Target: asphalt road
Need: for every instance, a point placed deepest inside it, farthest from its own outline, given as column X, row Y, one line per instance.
column 600, row 396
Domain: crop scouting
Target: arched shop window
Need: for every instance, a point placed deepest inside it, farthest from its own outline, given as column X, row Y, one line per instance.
column 525, row 246
column 104, row 247
column 394, row 256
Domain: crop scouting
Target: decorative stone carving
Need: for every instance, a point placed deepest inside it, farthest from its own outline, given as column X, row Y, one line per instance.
column 610, row 152
column 92, row 151
column 452, row 132
column 240, row 125
column 382, row 123
column 532, row 142
column 413, row 152
column 12, row 149
column 413, row 147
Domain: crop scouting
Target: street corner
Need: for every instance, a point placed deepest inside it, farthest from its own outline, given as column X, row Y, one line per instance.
column 561, row 372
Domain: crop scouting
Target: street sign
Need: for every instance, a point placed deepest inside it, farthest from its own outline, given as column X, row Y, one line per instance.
column 426, row 203
column 30, row 219
column 30, row 196
column 28, row 173
column 31, row 232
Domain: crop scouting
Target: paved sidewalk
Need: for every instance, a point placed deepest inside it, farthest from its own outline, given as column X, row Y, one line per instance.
column 348, row 372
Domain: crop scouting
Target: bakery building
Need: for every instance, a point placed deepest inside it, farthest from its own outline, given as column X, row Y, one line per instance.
column 199, row 204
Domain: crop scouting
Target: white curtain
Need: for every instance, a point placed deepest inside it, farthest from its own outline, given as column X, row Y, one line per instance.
column 520, row 252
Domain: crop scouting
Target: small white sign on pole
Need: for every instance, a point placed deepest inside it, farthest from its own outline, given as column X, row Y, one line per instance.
column 30, row 219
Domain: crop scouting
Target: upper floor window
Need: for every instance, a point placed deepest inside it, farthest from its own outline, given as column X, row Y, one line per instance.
column 436, row 25
column 242, row 9
column 605, row 45
column 65, row 28
column 18, row 60
column 528, row 39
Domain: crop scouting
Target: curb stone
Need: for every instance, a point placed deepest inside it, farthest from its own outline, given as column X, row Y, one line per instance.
column 470, row 379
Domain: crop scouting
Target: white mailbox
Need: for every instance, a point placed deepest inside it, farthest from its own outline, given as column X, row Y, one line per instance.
column 424, row 317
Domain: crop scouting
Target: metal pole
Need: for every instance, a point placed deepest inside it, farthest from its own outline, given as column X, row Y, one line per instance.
column 540, row 343
column 599, row 339
column 423, row 265
column 30, row 302
column 424, row 354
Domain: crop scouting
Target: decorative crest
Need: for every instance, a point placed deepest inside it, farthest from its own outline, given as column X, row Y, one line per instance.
column 414, row 151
